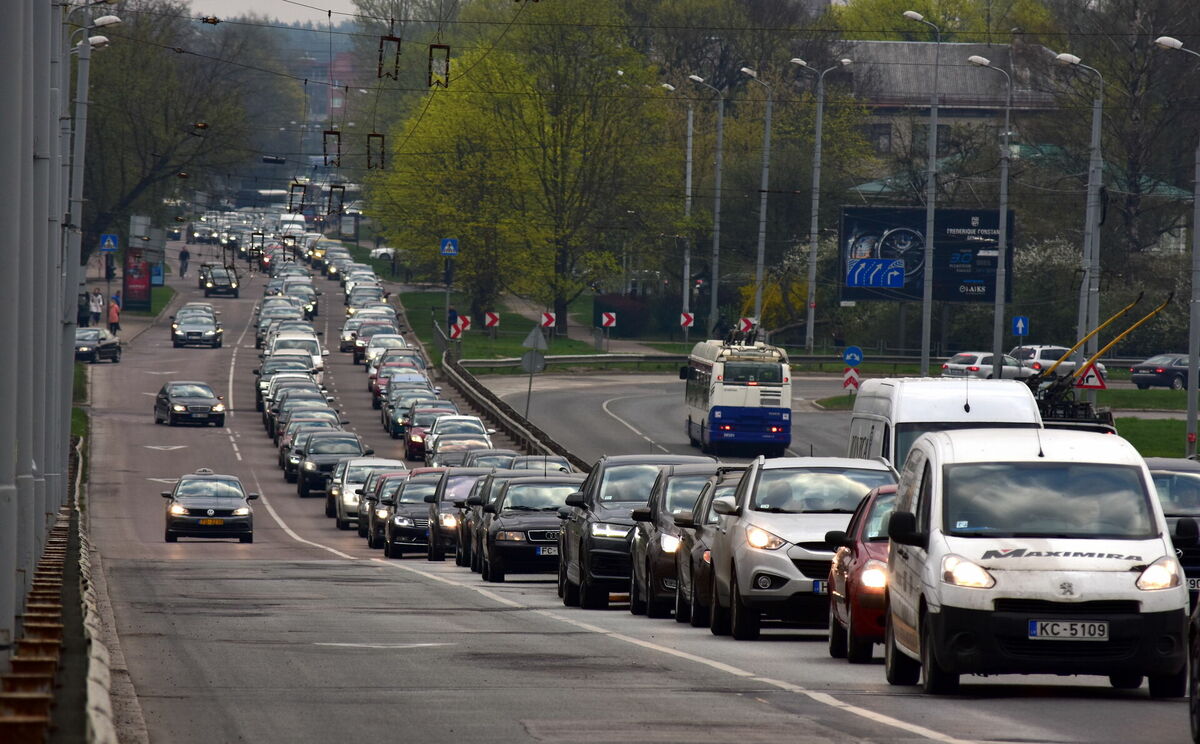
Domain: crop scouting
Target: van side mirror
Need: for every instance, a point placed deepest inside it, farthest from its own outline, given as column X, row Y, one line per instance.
column 576, row 500
column 836, row 539
column 684, row 519
column 431, row 498
column 641, row 514
column 1187, row 533
column 902, row 528
column 725, row 507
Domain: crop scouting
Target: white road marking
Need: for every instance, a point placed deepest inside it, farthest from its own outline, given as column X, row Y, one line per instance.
column 384, row 645
column 164, row 480
column 628, row 425
column 169, row 372
column 288, row 530
column 165, row 447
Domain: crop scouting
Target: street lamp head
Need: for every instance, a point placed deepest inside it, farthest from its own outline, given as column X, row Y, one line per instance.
column 845, row 61
column 975, row 59
column 105, row 20
column 798, row 61
column 1169, row 42
column 1068, row 59
column 668, row 87
column 98, row 42
column 748, row 71
column 913, row 15
column 695, row 78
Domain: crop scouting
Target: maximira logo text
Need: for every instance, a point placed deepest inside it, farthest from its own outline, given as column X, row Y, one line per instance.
column 1026, row 553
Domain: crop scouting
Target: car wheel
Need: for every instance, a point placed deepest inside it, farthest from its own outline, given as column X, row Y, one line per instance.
column 289, row 476
column 718, row 616
column 1143, row 386
column 591, row 597
column 1169, row 685
column 374, row 543
column 219, row 422
column 1126, row 681
column 1177, row 382
column 157, row 419
column 898, row 668
column 859, row 650
column 745, row 623
column 170, row 536
column 656, row 607
column 302, row 488
column 698, row 612
column 330, row 506
column 435, row 553
column 934, row 679
column 176, row 344
column 837, row 635
column 342, row 524
column 394, row 435
column 476, row 561
column 170, row 420
column 460, row 557
column 362, row 526
column 490, row 573
column 683, row 613
column 570, row 590
column 247, row 538
column 637, row 602
column 116, row 359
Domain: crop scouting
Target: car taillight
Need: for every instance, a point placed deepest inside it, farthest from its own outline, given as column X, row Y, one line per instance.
column 726, row 427
column 945, row 366
column 1037, row 365
column 1160, row 370
column 973, row 368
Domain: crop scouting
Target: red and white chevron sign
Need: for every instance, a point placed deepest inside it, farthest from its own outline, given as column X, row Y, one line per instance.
column 745, row 325
column 608, row 320
column 491, row 319
column 687, row 320
column 455, row 331
column 548, row 320
column 464, row 322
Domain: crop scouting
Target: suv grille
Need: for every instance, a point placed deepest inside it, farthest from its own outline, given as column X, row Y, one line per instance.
column 1047, row 607
column 814, row 569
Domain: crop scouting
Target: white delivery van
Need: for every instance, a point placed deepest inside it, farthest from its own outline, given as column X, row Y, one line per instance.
column 1033, row 552
column 890, row 413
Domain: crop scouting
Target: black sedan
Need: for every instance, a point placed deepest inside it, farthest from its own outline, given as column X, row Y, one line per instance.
column 522, row 536
column 320, row 456
column 1161, row 370
column 693, row 559
column 182, row 400
column 95, row 345
column 204, row 504
column 221, row 281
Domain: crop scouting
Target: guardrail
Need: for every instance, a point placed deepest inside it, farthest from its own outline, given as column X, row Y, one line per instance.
column 100, row 727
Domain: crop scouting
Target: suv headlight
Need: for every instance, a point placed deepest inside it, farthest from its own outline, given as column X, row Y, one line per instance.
column 668, row 543
column 510, row 536
column 448, row 520
column 757, row 537
column 401, row 521
column 85, row 348
column 959, row 571
column 613, row 531
column 874, row 574
column 1162, row 574
column 381, row 513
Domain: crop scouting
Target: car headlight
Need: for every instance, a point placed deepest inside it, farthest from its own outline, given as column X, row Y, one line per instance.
column 241, row 511
column 178, row 510
column 178, row 408
column 233, row 285
column 332, row 269
column 335, row 491
column 85, row 348
column 219, row 408
column 310, row 465
column 294, row 459
column 381, row 513
column 763, row 540
column 874, row 575
column 347, row 336
column 959, row 571
column 208, row 284
column 400, row 521
column 448, row 521
column 349, row 498
column 209, row 333
column 510, row 536
column 614, row 531
column 416, row 438
column 706, row 556
column 669, row 543
column 1162, row 574
column 308, row 307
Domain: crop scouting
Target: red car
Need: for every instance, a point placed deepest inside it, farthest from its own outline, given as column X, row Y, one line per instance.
column 420, row 419
column 858, row 577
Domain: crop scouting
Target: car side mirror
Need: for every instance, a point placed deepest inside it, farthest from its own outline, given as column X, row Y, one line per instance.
column 641, row 514
column 902, row 529
column 490, row 509
column 684, row 519
column 388, row 501
column 1187, row 533
column 491, row 431
column 725, row 507
column 343, row 421
column 431, row 498
column 166, row 494
column 576, row 500
column 251, row 496
column 563, row 512
column 324, row 352
column 220, row 397
column 836, row 539
column 474, row 501
column 256, row 372
column 369, row 451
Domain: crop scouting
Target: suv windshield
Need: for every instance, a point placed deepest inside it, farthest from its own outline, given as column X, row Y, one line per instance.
column 753, row 372
column 1179, row 493
column 1055, row 499
column 331, row 446
column 630, row 483
column 815, row 490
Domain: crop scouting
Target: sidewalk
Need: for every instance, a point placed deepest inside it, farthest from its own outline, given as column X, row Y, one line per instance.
column 133, row 325
column 577, row 331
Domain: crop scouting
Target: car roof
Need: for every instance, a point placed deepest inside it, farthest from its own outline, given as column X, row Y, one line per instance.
column 654, row 459
column 514, row 480
column 788, row 463
column 1173, row 464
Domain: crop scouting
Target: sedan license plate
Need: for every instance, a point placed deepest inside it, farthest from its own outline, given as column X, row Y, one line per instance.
column 199, row 415
column 548, row 551
column 212, row 522
column 1068, row 630
column 820, row 587
column 1193, row 584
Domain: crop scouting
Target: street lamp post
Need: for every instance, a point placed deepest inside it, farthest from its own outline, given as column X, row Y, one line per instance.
column 1089, row 290
column 811, row 318
column 687, row 213
column 764, row 185
column 1168, row 42
column 930, row 197
column 716, row 249
column 1002, row 247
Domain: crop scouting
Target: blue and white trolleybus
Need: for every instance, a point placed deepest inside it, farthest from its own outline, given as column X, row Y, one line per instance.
column 738, row 394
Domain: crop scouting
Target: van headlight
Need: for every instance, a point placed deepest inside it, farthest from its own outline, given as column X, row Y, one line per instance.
column 759, row 538
column 1162, row 574
column 874, row 575
column 959, row 571
column 668, row 543
column 614, row 531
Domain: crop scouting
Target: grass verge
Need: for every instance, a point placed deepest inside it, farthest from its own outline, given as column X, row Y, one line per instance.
column 1154, row 400
column 160, row 297
column 79, row 414
column 1155, row 437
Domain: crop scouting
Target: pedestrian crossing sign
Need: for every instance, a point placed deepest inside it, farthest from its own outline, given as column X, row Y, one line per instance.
column 108, row 243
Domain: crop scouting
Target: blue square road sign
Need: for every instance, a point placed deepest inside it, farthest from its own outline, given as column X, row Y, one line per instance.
column 449, row 246
column 1020, row 325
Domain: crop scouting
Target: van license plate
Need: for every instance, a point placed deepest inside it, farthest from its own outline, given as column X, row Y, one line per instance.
column 1068, row 630
column 820, row 587
column 548, row 551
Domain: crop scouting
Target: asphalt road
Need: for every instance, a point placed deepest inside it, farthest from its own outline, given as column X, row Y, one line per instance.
column 308, row 636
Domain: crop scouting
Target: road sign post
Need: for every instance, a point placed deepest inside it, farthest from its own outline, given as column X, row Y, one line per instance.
column 686, row 321
column 448, row 247
column 608, row 321
column 533, row 360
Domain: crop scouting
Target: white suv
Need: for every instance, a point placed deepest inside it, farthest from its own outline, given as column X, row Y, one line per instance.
column 769, row 555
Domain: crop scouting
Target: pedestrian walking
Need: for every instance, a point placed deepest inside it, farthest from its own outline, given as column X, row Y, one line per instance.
column 451, row 317
column 117, row 299
column 184, row 256
column 114, row 316
column 83, row 312
column 96, row 305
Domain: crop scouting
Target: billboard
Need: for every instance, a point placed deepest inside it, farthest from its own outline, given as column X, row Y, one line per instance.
column 882, row 254
column 136, row 281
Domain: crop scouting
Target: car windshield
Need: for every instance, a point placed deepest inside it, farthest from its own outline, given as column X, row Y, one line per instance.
column 209, row 488
column 427, row 418
column 280, row 365
column 628, row 483
column 334, row 446
column 815, row 490
column 192, row 390
column 458, row 486
column 875, row 527
column 1053, row 499
column 387, row 342
column 304, row 344
column 541, row 463
column 492, row 461
column 415, row 492
column 539, row 497
column 753, row 372
column 458, row 445
column 460, row 426
column 296, row 427
column 1179, row 493
column 360, row 473
column 906, row 434
column 963, row 359
column 1160, row 360
column 87, row 334
column 682, row 491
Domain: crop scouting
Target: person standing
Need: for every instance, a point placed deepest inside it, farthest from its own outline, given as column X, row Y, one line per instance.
column 451, row 317
column 96, row 305
column 114, row 316
column 83, row 311
column 117, row 299
column 184, row 256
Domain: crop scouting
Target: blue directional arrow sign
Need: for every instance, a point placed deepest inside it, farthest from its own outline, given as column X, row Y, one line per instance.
column 1020, row 325
column 108, row 243
column 876, row 272
column 449, row 246
column 852, row 356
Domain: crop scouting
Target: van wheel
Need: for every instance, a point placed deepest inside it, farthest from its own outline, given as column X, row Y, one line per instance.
column 934, row 679
column 1126, row 681
column 837, row 636
column 718, row 616
column 897, row 668
column 745, row 623
column 1169, row 685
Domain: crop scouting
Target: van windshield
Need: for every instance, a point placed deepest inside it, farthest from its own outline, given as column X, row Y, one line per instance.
column 906, row 434
column 1054, row 499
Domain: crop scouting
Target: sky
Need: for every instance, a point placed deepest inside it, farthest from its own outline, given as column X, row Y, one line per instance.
column 287, row 12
